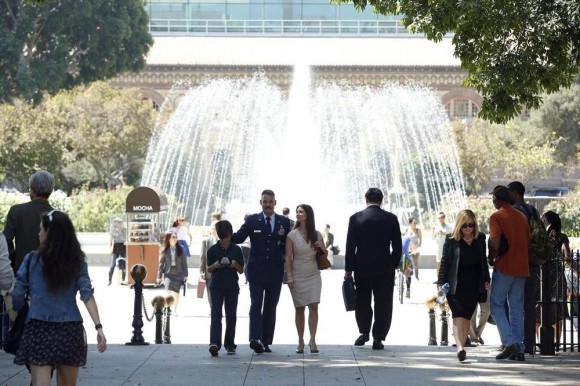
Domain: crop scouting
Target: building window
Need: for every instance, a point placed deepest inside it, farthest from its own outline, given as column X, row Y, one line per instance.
column 461, row 108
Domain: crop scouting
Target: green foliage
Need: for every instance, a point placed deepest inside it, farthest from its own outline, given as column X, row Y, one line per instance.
column 569, row 210
column 90, row 209
column 514, row 50
column 93, row 134
column 483, row 209
column 46, row 46
column 560, row 114
column 6, row 201
column 484, row 148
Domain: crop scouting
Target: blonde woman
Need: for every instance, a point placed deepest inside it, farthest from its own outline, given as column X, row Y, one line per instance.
column 464, row 267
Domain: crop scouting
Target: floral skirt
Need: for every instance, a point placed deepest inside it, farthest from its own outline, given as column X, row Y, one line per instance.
column 52, row 344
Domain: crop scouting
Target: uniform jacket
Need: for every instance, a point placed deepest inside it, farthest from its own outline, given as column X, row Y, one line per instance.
column 266, row 258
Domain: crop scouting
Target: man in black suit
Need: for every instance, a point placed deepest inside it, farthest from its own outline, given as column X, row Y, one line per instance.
column 23, row 220
column 373, row 251
column 265, row 268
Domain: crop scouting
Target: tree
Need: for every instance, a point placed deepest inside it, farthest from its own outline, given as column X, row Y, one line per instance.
column 108, row 130
column 93, row 134
column 54, row 45
column 30, row 142
column 560, row 114
column 485, row 148
column 513, row 50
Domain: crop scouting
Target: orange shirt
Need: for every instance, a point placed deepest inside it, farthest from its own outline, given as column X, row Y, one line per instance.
column 514, row 225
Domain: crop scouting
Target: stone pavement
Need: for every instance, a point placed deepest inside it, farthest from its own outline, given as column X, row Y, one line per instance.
column 407, row 359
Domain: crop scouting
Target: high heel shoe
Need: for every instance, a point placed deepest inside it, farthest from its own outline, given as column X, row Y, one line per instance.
column 313, row 347
column 300, row 348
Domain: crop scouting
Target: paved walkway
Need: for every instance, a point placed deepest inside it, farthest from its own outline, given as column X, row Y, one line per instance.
column 406, row 360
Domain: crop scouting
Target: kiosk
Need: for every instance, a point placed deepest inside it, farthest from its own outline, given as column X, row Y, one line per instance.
column 146, row 210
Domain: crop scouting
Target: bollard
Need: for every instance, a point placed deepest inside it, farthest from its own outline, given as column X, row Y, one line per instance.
column 158, row 303
column 444, row 325
column 167, row 333
column 546, row 329
column 138, row 273
column 430, row 302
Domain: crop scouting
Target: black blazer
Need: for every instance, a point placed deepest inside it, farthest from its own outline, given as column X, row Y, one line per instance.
column 373, row 243
column 23, row 225
column 450, row 264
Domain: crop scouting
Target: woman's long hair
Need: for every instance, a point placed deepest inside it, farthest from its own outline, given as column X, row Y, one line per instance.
column 61, row 251
column 310, row 223
column 463, row 217
column 167, row 245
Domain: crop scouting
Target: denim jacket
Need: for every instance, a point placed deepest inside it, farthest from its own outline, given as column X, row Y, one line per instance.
column 49, row 306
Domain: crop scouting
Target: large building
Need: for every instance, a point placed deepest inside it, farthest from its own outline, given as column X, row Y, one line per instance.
column 196, row 40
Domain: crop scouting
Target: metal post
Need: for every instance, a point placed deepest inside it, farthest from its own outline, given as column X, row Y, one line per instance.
column 138, row 273
column 546, row 329
column 158, row 303
column 444, row 325
column 432, row 329
column 167, row 331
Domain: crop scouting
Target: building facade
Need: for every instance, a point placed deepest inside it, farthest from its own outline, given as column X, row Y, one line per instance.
column 198, row 40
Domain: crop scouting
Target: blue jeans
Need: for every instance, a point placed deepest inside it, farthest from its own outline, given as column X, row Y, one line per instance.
column 511, row 289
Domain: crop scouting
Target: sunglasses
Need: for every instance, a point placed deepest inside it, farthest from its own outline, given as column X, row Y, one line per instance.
column 470, row 225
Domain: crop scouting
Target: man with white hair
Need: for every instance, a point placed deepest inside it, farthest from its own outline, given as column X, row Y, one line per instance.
column 23, row 220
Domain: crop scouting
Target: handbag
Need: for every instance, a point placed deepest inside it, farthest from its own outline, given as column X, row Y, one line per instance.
column 200, row 287
column 12, row 339
column 322, row 259
column 349, row 293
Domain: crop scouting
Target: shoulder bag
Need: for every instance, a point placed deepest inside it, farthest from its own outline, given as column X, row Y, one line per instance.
column 12, row 339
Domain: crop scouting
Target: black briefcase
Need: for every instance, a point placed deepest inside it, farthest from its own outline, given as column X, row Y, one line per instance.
column 349, row 293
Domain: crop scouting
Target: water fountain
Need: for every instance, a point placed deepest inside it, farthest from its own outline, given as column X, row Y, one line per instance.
column 324, row 145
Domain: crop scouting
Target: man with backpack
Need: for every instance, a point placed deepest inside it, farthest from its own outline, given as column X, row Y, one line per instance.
column 539, row 251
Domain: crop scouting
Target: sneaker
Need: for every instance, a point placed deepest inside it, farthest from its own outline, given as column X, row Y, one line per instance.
column 231, row 350
column 408, row 294
column 213, row 350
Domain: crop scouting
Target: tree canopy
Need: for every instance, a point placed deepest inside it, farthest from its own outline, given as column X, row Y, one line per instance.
column 513, row 50
column 58, row 44
column 91, row 134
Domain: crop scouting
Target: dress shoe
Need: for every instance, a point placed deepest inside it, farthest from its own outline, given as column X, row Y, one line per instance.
column 257, row 346
column 213, row 350
column 378, row 345
column 361, row 340
column 520, row 357
column 508, row 351
column 267, row 348
column 461, row 355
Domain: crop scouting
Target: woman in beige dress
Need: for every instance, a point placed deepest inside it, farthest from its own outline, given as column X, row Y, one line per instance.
column 302, row 274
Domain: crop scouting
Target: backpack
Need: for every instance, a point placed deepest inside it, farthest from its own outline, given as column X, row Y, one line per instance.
column 541, row 248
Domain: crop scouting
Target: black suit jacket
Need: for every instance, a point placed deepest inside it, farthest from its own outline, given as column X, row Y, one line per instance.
column 22, row 227
column 373, row 243
column 266, row 258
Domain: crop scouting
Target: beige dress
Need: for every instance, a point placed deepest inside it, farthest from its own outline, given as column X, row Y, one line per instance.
column 307, row 282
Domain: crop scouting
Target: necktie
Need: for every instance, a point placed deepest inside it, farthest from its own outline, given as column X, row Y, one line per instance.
column 268, row 225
